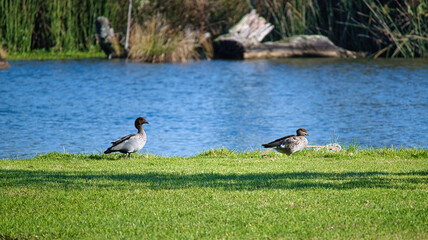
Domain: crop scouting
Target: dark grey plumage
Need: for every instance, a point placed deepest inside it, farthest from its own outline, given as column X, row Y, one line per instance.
column 131, row 143
column 290, row 144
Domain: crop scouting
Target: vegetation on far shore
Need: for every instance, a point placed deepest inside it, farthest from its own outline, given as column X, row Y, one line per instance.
column 47, row 55
column 218, row 194
column 388, row 28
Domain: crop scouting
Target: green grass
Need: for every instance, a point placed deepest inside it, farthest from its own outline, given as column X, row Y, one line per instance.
column 218, row 194
column 49, row 55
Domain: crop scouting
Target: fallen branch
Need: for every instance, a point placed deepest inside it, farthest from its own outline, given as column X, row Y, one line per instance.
column 270, row 149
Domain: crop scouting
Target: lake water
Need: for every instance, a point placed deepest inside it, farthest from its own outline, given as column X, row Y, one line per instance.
column 81, row 106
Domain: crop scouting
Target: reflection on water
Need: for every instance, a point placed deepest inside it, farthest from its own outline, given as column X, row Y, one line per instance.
column 81, row 106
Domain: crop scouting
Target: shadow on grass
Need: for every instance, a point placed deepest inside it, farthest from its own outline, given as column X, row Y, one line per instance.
column 253, row 181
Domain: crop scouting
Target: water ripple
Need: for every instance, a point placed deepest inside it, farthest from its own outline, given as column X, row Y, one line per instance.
column 81, row 106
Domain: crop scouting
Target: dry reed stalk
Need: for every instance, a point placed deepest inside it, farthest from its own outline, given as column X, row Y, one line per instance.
column 155, row 41
column 3, row 52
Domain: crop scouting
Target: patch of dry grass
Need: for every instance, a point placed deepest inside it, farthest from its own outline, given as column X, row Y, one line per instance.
column 155, row 41
column 3, row 52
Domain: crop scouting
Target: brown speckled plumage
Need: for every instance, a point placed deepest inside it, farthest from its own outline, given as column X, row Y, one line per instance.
column 290, row 144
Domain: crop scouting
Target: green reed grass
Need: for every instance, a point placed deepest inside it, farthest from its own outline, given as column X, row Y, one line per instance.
column 403, row 30
column 55, row 25
column 221, row 193
column 392, row 28
column 17, row 23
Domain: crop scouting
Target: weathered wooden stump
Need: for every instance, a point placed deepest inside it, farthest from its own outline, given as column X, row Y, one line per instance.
column 250, row 31
column 107, row 39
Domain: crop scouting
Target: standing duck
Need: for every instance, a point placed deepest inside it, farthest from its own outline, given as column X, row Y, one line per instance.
column 290, row 144
column 131, row 143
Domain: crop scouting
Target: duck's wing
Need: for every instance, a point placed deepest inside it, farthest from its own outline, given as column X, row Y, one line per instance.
column 120, row 140
column 277, row 142
column 293, row 139
column 118, row 144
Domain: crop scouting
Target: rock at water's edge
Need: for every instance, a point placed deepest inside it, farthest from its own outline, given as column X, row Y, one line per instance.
column 4, row 64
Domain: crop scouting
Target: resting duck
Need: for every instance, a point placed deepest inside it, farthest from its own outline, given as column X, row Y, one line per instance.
column 290, row 144
column 131, row 143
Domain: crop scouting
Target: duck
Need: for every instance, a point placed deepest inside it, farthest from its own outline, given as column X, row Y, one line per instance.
column 291, row 143
column 131, row 143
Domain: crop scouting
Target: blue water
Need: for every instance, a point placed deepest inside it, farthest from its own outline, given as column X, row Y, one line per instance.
column 81, row 106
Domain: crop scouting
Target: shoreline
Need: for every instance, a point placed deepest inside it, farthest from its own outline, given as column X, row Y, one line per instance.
column 46, row 55
column 347, row 151
column 76, row 55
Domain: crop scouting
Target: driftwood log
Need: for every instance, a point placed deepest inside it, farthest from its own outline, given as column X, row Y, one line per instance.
column 107, row 39
column 244, row 41
column 299, row 46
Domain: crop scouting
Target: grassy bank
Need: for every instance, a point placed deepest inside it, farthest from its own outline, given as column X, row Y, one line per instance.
column 370, row 194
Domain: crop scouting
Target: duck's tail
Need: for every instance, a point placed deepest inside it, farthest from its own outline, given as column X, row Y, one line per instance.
column 271, row 145
column 108, row 151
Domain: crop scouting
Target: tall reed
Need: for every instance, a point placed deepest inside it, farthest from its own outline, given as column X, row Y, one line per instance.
column 389, row 27
column 56, row 25
column 17, row 18
column 214, row 16
column 327, row 17
column 401, row 30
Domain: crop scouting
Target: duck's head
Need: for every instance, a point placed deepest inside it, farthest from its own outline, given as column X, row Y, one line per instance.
column 140, row 121
column 302, row 132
